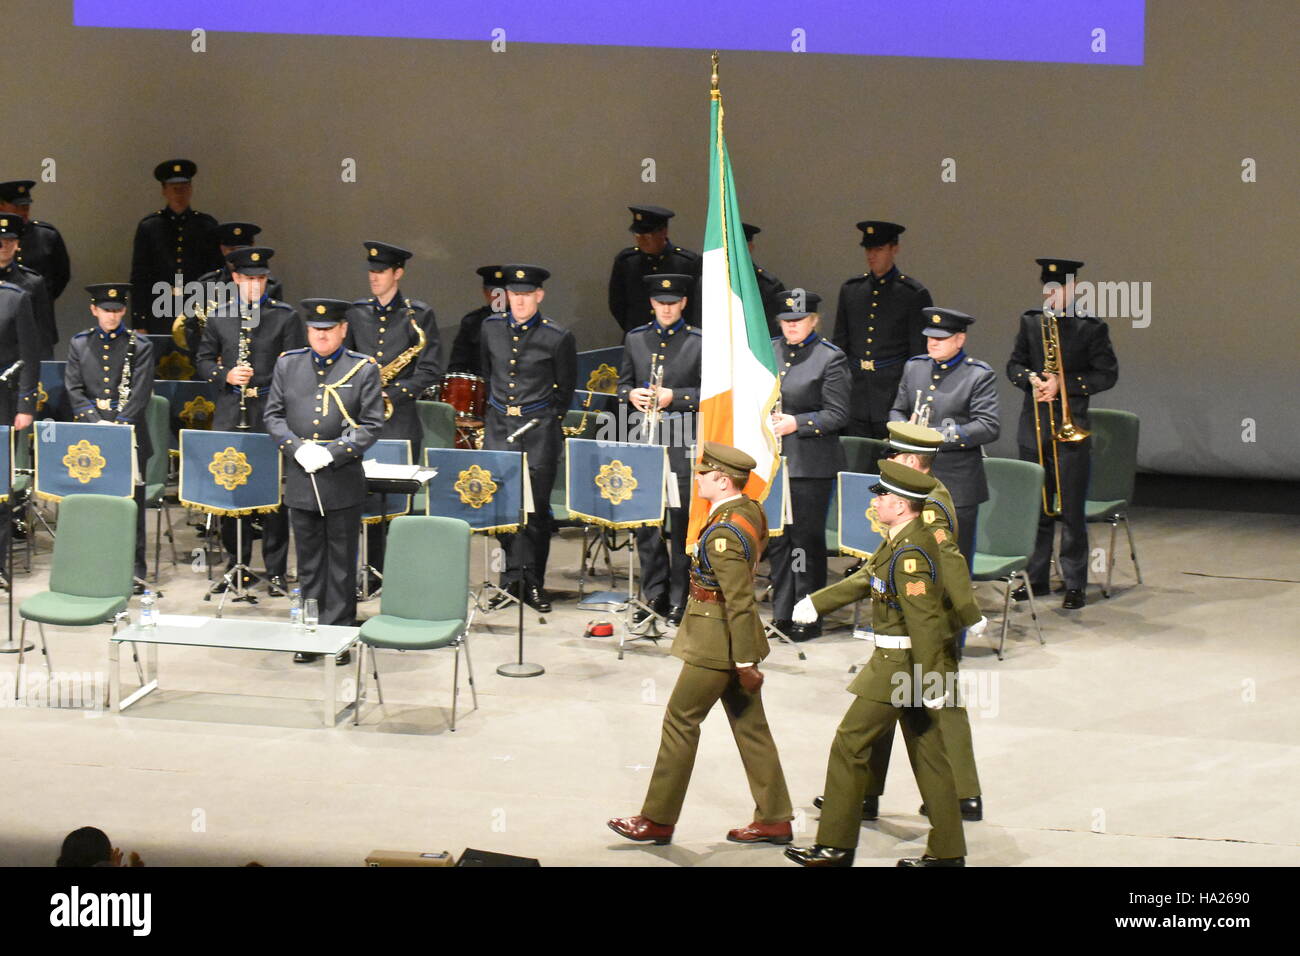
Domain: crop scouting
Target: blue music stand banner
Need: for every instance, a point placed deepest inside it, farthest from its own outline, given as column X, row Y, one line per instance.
column 7, row 462
column 776, row 506
column 482, row 488
column 388, row 451
column 75, row 458
column 860, row 530
column 173, row 363
column 588, row 401
column 615, row 484
column 598, row 369
column 229, row 473
column 192, row 404
column 52, row 392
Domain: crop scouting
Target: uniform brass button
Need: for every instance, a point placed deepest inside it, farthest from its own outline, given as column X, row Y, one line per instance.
column 380, row 354
column 932, row 388
column 870, row 340
column 512, row 361
column 106, row 381
column 936, row 378
column 315, row 421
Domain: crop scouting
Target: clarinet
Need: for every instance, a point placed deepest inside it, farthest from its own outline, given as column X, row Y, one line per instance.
column 124, row 384
column 245, row 350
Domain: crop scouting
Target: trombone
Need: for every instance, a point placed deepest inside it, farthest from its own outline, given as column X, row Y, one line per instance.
column 1050, row 329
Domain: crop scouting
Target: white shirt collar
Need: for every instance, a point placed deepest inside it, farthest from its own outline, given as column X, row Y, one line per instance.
column 719, row 504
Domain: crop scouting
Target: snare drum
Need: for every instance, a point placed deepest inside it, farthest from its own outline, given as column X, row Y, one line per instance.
column 466, row 393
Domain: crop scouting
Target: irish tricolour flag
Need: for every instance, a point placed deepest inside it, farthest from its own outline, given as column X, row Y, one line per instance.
column 740, row 386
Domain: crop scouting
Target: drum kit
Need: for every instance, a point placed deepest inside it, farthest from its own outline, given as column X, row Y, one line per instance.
column 467, row 394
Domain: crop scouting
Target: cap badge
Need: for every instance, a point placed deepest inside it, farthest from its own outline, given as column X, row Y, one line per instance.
column 636, row 216
column 870, row 230
column 934, row 318
column 237, row 231
column 1051, row 267
column 176, row 167
column 497, row 274
column 112, row 293
column 255, row 256
column 519, row 273
column 666, row 283
column 320, row 310
column 374, row 251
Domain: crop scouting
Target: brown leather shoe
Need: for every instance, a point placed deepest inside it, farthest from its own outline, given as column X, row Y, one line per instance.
column 642, row 829
column 762, row 833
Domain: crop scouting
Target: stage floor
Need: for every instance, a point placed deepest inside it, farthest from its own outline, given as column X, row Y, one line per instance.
column 1160, row 727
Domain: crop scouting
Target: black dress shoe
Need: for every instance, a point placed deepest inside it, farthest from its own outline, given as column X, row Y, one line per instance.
column 932, row 861
column 803, row 632
column 784, row 625
column 537, row 599
column 1020, row 594
column 137, row 588
column 276, row 587
column 658, row 606
column 972, row 809
column 870, row 806
column 502, row 598
column 819, row 855
column 675, row 615
column 302, row 657
column 1074, row 599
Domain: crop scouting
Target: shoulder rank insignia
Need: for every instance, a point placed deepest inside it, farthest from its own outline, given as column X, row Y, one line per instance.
column 909, row 565
column 928, row 515
column 719, row 544
column 915, row 588
column 940, row 536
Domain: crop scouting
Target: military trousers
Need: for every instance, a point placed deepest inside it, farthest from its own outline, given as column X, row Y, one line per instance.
column 847, row 775
column 798, row 557
column 327, row 560
column 696, row 691
column 1076, row 464
column 954, row 728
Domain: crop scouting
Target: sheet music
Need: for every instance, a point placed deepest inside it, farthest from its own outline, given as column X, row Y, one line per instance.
column 396, row 472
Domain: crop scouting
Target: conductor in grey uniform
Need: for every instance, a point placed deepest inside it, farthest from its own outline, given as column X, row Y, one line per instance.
column 667, row 343
column 878, row 324
column 815, row 387
column 98, row 358
column 324, row 409
column 957, row 395
column 530, row 362
column 241, row 342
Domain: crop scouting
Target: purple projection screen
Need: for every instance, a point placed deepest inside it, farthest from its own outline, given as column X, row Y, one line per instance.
column 1106, row 32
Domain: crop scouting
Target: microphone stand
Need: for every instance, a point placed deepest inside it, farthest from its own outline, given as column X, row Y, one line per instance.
column 520, row 667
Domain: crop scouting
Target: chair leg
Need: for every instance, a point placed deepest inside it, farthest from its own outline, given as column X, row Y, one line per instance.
column 469, row 667
column 1006, row 616
column 22, row 645
column 45, row 649
column 374, row 666
column 1132, row 548
column 1033, row 609
column 361, row 683
column 455, row 685
column 157, row 546
column 1110, row 560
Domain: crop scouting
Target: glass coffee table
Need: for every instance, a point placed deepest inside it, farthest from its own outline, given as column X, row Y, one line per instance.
column 328, row 640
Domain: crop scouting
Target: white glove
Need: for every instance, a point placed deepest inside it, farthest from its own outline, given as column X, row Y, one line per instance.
column 976, row 629
column 312, row 457
column 935, row 704
column 804, row 612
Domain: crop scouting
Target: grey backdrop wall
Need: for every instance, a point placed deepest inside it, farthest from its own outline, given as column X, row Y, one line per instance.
column 468, row 156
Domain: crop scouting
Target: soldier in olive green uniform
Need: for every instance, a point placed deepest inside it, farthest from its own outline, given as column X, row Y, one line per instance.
column 916, row 446
column 721, row 641
column 911, row 675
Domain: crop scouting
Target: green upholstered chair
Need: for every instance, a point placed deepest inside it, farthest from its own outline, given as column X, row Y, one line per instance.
column 438, row 423
column 157, row 420
column 90, row 575
column 425, row 601
column 1110, row 485
column 1006, row 529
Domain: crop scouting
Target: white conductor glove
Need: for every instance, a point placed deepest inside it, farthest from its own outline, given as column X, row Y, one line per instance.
column 804, row 612
column 312, row 457
column 976, row 629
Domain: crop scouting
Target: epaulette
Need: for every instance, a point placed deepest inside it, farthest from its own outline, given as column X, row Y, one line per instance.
column 688, row 253
column 28, row 269
column 865, row 275
column 11, row 287
column 295, row 351
column 830, row 345
column 82, row 333
column 641, row 328
column 693, row 330
column 366, row 301
column 918, row 358
column 495, row 317
column 627, row 252
column 914, row 284
column 978, row 363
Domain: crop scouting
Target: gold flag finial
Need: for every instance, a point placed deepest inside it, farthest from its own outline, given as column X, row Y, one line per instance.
column 713, row 80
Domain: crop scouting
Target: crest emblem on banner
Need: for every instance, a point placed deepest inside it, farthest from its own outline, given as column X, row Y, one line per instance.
column 615, row 482
column 42, row 396
column 230, row 468
column 84, row 461
column 197, row 412
column 874, row 517
column 603, row 378
column 475, row 486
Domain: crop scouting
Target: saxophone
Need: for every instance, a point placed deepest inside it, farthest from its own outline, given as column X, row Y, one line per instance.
column 390, row 371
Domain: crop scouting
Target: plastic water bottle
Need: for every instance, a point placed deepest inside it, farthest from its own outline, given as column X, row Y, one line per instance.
column 148, row 618
column 295, row 608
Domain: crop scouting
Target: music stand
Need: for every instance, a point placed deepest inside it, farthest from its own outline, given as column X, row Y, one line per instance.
column 384, row 479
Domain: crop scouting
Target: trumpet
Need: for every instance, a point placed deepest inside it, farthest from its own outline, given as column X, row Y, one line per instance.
column 921, row 413
column 1069, row 433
